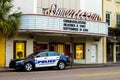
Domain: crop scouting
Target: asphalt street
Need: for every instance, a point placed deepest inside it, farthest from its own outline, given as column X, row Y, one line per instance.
column 93, row 73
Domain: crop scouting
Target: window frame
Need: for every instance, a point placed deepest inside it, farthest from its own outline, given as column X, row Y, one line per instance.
column 83, row 44
column 53, row 54
column 117, row 20
column 39, row 54
column 109, row 18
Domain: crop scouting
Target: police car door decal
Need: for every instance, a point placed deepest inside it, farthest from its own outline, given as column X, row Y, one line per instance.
column 46, row 61
column 53, row 60
column 40, row 62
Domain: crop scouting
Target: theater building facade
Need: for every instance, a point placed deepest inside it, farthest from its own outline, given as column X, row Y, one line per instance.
column 75, row 33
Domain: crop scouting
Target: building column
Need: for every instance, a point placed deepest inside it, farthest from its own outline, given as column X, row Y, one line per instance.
column 114, row 52
column 104, row 50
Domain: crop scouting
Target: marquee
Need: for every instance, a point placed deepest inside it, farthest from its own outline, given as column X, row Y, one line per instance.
column 71, row 13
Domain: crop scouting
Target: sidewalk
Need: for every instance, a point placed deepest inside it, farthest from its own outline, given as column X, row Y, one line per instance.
column 74, row 66
column 4, row 69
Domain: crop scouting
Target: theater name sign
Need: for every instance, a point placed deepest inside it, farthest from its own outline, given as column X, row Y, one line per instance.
column 71, row 13
column 58, row 20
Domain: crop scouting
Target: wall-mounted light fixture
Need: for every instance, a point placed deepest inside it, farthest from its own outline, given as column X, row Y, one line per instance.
column 31, row 35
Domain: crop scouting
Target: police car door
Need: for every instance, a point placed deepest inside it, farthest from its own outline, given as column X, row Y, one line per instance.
column 41, row 59
column 53, row 58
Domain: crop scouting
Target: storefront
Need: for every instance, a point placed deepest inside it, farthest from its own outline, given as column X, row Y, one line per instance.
column 118, row 52
column 84, row 43
column 113, row 45
column 74, row 33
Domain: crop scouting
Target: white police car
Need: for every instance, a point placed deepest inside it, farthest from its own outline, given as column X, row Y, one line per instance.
column 41, row 59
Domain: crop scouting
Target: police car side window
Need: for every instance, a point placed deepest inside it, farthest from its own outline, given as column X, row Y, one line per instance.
column 57, row 54
column 51, row 54
column 42, row 54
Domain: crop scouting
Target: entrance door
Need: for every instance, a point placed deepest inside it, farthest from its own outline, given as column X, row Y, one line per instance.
column 39, row 47
column 52, row 47
column 110, row 52
column 67, row 49
column 93, row 53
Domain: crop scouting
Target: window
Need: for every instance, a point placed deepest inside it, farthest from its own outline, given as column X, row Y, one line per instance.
column 19, row 49
column 51, row 54
column 79, row 51
column 118, row 1
column 118, row 52
column 42, row 54
column 118, row 20
column 108, row 18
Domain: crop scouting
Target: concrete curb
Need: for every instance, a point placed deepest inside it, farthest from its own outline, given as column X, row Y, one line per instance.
column 94, row 65
column 5, row 69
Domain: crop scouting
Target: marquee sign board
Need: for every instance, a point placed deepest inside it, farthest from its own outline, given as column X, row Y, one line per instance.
column 74, row 25
column 63, row 25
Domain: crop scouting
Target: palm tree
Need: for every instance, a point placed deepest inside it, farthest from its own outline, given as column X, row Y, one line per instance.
column 9, row 22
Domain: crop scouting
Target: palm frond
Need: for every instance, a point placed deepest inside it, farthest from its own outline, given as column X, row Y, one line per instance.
column 9, row 23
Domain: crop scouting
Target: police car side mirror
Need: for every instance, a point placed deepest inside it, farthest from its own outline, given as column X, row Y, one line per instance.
column 62, row 54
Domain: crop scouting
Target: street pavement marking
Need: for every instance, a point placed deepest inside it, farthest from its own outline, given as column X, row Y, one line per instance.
column 98, row 74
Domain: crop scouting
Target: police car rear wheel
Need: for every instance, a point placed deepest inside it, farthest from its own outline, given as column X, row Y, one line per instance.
column 61, row 65
column 28, row 67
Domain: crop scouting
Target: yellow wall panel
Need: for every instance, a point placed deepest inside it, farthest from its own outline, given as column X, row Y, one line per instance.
column 2, row 51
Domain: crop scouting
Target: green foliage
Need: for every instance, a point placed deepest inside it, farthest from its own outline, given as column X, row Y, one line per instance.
column 9, row 22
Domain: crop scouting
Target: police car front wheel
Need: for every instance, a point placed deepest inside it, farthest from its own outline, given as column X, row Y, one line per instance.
column 28, row 67
column 61, row 65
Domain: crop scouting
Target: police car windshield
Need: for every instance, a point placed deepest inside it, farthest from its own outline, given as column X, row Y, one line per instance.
column 32, row 55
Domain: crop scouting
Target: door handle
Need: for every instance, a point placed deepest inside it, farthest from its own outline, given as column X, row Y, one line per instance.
column 45, row 58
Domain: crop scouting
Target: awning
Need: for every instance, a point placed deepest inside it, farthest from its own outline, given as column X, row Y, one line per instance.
column 113, row 40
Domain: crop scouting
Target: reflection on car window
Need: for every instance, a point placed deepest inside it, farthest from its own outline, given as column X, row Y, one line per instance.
column 53, row 54
column 42, row 54
column 31, row 55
